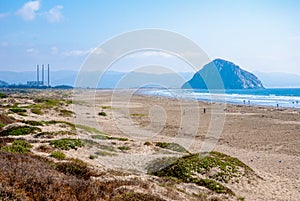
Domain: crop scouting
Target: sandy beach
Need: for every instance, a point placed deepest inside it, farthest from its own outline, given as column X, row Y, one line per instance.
column 266, row 139
column 121, row 143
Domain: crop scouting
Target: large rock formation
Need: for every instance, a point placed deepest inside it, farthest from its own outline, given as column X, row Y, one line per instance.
column 232, row 76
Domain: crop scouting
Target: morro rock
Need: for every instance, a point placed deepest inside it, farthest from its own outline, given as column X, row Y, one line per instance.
column 221, row 73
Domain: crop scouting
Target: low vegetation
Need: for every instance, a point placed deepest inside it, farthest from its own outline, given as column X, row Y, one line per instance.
column 19, row 111
column 33, row 123
column 102, row 114
column 20, row 130
column 18, row 146
column 88, row 129
column 58, row 155
column 213, row 168
column 106, row 137
column 124, row 148
column 36, row 111
column 66, row 113
column 3, row 95
column 50, row 135
column 138, row 115
column 171, row 146
column 67, row 143
column 76, row 168
column 104, row 153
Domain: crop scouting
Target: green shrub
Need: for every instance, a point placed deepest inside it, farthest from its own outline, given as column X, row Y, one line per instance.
column 2, row 125
column 58, row 155
column 124, row 148
column 186, row 169
column 102, row 114
column 36, row 111
column 2, row 95
column 67, row 143
column 106, row 137
column 148, row 143
column 75, row 168
column 18, row 146
column 20, row 130
column 73, row 127
column 171, row 146
column 66, row 113
column 93, row 157
column 33, row 123
column 19, row 111
column 106, row 107
column 135, row 196
column 138, row 115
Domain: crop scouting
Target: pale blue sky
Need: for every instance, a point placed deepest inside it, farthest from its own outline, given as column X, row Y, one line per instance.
column 259, row 35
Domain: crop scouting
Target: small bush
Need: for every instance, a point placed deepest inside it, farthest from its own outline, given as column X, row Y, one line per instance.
column 36, row 111
column 124, row 148
column 66, row 113
column 138, row 115
column 102, row 114
column 93, row 157
column 135, row 196
column 19, row 111
column 2, row 95
column 148, row 143
column 33, row 123
column 20, row 130
column 106, row 107
column 2, row 125
column 79, row 170
column 67, row 143
column 18, row 146
column 58, row 155
column 171, row 146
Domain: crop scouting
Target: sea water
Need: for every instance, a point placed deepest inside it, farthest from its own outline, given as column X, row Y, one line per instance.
column 288, row 98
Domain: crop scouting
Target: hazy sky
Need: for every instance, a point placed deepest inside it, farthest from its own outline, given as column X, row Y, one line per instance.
column 258, row 35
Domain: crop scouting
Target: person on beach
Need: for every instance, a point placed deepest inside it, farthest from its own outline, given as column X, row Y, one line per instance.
column 204, row 110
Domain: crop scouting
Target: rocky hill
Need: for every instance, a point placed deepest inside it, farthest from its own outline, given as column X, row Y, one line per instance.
column 233, row 77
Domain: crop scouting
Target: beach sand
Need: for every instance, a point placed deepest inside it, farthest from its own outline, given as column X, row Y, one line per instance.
column 266, row 139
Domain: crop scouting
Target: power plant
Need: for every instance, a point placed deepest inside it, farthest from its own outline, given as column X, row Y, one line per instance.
column 39, row 83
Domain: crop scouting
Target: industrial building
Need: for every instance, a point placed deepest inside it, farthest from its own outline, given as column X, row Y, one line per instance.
column 38, row 82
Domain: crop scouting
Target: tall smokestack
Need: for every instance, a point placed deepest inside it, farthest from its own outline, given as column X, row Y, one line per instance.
column 37, row 74
column 48, row 75
column 43, row 75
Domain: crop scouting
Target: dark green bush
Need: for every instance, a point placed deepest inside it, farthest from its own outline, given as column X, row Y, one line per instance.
column 171, row 146
column 102, row 114
column 3, row 95
column 67, row 143
column 58, row 155
column 18, row 146
column 20, row 130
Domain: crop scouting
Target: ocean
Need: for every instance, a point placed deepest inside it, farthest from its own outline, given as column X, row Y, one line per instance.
column 286, row 98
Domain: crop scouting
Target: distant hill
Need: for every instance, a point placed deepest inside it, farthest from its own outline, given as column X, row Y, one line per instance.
column 3, row 84
column 279, row 79
column 233, row 77
column 110, row 79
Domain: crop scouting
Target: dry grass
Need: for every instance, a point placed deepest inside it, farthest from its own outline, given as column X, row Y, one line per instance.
column 28, row 177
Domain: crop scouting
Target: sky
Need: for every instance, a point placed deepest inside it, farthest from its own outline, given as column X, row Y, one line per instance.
column 258, row 35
